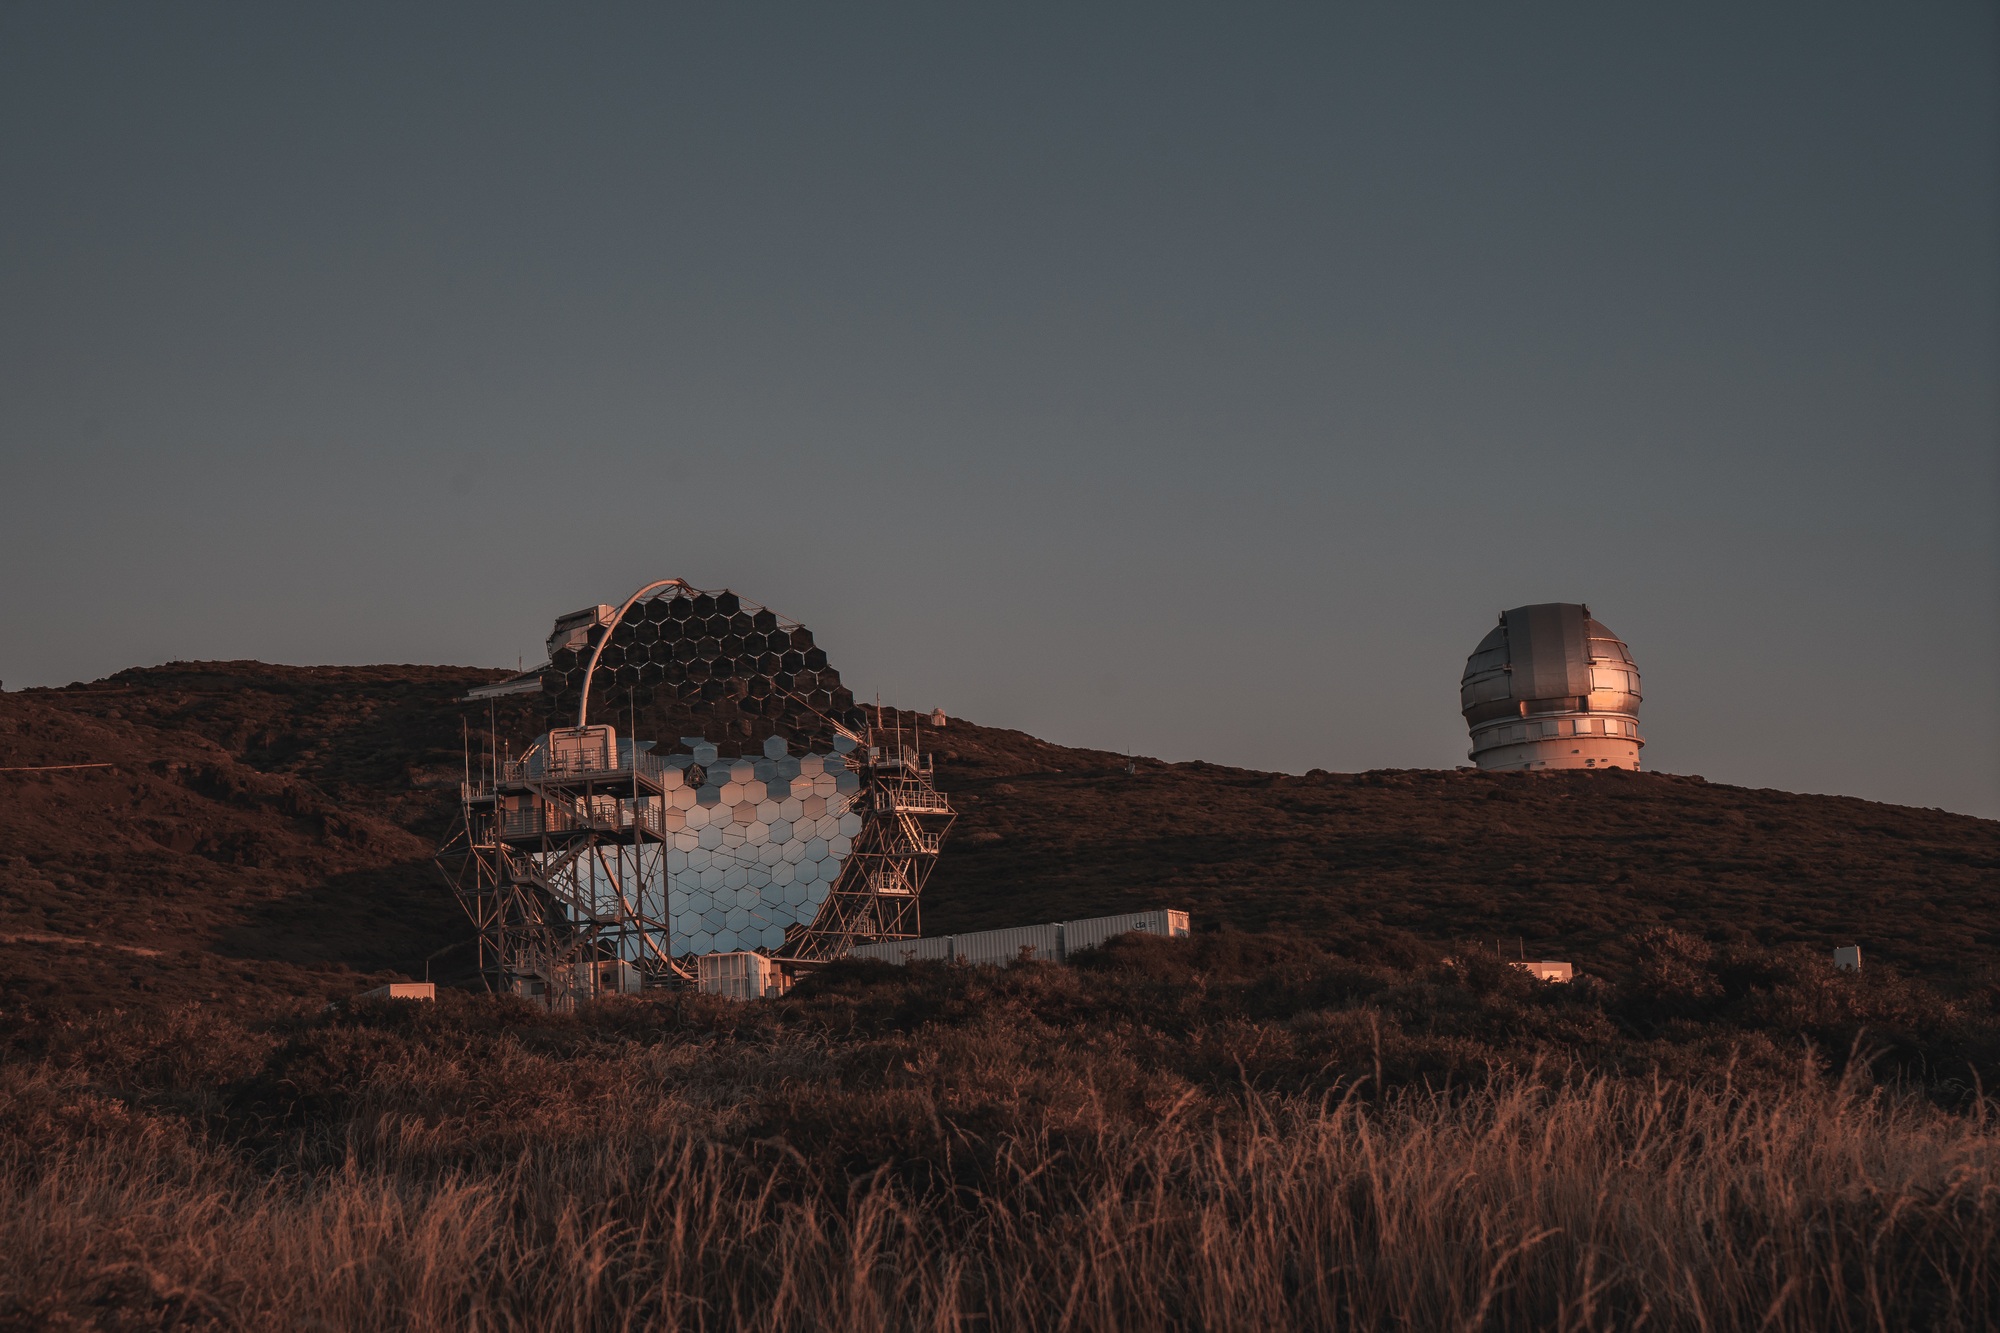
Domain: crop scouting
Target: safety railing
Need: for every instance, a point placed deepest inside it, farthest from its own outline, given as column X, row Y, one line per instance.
column 920, row 838
column 889, row 882
column 603, row 815
column 541, row 766
column 915, row 797
column 899, row 756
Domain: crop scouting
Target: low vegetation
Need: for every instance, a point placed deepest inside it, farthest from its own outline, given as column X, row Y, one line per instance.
column 1318, row 1113
column 271, row 828
column 1232, row 1132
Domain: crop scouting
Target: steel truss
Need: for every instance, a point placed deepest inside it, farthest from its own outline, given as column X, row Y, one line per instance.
column 877, row 894
column 560, row 864
column 550, row 861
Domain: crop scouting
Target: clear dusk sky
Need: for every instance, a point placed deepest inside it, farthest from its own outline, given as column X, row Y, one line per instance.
column 1194, row 380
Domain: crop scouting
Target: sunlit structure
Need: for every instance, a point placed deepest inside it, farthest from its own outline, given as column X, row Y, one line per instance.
column 706, row 786
column 1052, row 942
column 1549, row 687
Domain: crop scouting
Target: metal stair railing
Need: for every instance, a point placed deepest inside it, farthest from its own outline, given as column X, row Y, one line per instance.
column 920, row 838
column 888, row 880
column 520, row 870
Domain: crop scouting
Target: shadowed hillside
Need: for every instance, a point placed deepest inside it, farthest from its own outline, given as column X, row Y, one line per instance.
column 260, row 827
column 271, row 827
column 1566, row 865
column 1306, row 1116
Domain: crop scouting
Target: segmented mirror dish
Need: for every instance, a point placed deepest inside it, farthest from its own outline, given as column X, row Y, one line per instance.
column 747, row 848
column 701, row 664
column 747, row 713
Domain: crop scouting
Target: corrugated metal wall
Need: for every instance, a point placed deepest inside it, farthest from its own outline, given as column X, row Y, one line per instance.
column 1095, row 931
column 1050, row 943
column 1043, row 943
column 937, row 949
column 740, row 976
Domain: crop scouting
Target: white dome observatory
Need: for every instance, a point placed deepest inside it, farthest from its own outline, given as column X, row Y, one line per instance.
column 1551, row 688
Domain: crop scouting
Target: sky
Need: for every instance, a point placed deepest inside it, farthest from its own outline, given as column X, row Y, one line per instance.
column 1198, row 381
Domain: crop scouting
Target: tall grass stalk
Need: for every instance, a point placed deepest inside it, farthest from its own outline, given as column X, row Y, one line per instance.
column 1594, row 1204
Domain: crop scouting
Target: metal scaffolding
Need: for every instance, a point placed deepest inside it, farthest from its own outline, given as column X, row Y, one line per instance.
column 549, row 858
column 577, row 862
column 878, row 892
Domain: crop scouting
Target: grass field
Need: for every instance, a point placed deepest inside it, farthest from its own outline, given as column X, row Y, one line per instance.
column 1218, row 1134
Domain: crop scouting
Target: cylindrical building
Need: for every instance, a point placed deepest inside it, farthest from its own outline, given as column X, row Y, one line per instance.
column 1551, row 688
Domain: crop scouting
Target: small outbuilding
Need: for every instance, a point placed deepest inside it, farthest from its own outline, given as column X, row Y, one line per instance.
column 401, row 990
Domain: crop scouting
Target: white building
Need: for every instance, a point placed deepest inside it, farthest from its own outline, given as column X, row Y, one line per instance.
column 1551, row 688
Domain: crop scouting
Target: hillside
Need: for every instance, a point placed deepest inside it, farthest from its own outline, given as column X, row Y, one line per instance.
column 1302, row 1118
column 1563, row 865
column 269, row 829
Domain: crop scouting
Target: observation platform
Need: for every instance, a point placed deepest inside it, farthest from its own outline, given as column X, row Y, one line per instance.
column 561, row 795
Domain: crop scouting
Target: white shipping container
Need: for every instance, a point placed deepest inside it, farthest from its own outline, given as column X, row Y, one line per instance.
column 615, row 976
column 1044, row 944
column 1050, row 943
column 401, row 990
column 885, row 952
column 739, row 975
column 937, row 949
column 1094, row 931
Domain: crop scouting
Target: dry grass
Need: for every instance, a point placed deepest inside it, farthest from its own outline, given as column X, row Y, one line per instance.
column 1223, row 1133
column 1590, row 1204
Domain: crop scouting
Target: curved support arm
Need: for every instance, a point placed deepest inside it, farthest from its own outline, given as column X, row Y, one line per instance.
column 590, row 673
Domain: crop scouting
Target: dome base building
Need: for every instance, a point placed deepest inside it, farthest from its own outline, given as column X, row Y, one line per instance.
column 1550, row 687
